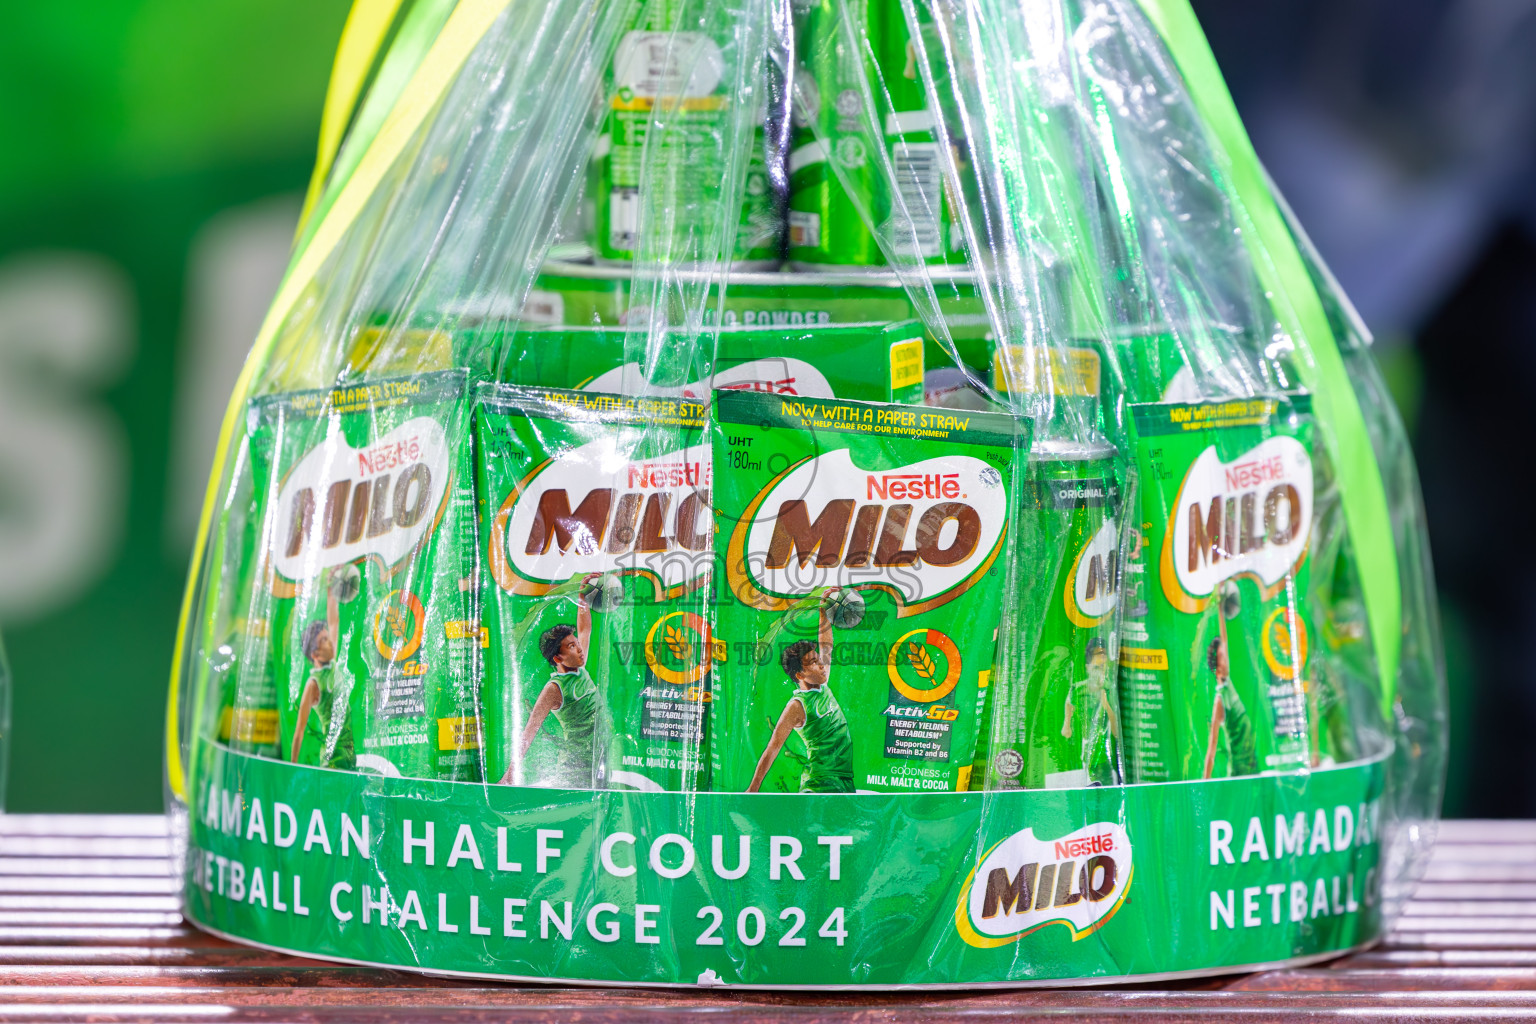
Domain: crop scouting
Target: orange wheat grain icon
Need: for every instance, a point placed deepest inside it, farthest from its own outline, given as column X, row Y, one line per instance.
column 678, row 644
column 922, row 663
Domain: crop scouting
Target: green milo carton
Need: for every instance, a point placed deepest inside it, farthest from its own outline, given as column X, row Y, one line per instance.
column 596, row 531
column 1217, row 677
column 858, row 587
column 881, row 362
column 364, row 602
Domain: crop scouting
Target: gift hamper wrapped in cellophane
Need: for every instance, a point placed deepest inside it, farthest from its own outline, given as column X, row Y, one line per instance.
column 803, row 493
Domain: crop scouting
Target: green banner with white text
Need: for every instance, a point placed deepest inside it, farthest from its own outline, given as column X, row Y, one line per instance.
column 785, row 890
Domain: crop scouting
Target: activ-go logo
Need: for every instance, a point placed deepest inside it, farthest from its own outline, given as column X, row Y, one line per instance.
column 1251, row 516
column 1024, row 884
column 679, row 650
column 341, row 503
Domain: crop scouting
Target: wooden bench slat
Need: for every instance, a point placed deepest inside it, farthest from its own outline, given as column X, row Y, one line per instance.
column 68, row 867
column 88, row 825
column 158, row 848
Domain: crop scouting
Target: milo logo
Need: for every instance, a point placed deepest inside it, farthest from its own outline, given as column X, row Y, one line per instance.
column 776, row 376
column 1251, row 516
column 577, row 514
column 341, row 503
column 923, row 531
column 1093, row 582
column 1023, row 884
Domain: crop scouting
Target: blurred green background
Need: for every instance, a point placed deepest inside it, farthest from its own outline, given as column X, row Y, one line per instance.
column 153, row 155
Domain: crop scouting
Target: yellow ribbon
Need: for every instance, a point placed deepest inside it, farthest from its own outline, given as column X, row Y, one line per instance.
column 361, row 38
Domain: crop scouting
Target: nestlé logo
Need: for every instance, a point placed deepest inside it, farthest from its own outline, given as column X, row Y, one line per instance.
column 1023, row 884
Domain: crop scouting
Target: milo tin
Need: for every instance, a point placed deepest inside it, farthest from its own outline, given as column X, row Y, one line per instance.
column 577, row 295
column 239, row 666
column 1071, row 375
column 365, row 552
column 242, row 672
column 834, row 170
column 841, row 206
column 1055, row 706
column 1218, row 676
column 656, row 60
column 1345, row 632
column 863, row 361
column 760, row 229
column 859, row 583
column 580, row 295
column 596, row 528
column 921, row 217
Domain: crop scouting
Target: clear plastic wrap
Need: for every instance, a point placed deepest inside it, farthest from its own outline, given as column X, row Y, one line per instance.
column 805, row 494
